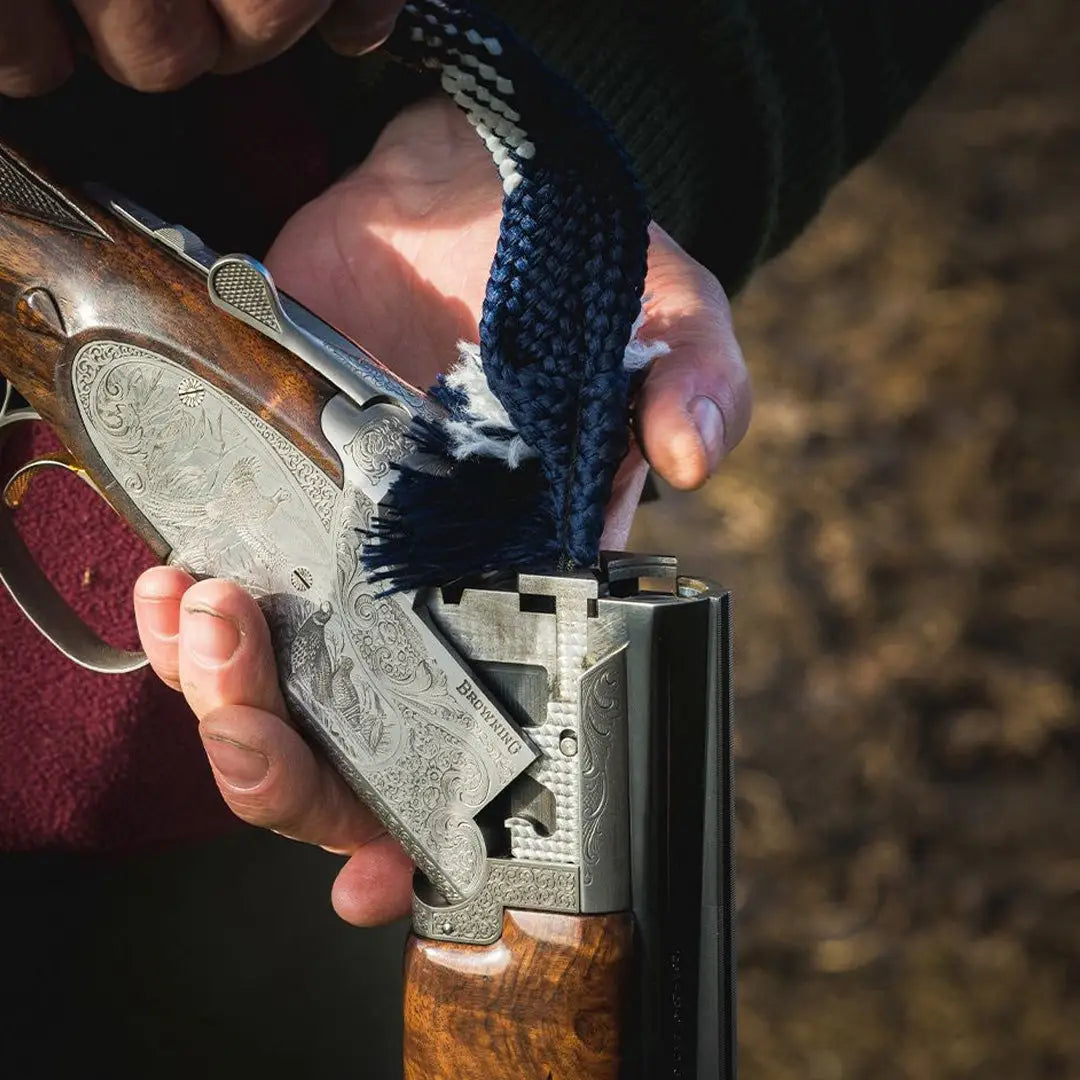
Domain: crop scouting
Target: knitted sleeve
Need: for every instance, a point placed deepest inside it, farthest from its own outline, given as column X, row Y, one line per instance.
column 742, row 114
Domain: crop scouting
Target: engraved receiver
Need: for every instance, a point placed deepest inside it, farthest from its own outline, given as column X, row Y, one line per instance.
column 553, row 750
column 156, row 362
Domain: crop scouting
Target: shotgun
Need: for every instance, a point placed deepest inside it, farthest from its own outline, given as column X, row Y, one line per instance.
column 552, row 749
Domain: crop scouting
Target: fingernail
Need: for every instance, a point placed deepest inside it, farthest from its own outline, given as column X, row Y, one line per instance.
column 354, row 34
column 376, row 36
column 210, row 637
column 710, row 424
column 238, row 766
column 160, row 616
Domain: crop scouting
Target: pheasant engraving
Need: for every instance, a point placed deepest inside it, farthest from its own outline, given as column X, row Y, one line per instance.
column 361, row 710
column 310, row 654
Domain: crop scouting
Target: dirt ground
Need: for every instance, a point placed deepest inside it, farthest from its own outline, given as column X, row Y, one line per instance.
column 900, row 529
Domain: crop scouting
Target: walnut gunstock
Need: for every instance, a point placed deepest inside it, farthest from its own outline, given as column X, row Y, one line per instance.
column 547, row 1001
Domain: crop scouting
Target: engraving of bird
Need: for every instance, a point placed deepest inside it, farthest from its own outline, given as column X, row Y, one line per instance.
column 240, row 495
column 223, row 526
column 361, row 709
column 309, row 657
column 242, row 506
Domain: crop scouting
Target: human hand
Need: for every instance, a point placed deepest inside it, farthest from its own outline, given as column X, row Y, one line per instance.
column 159, row 45
column 397, row 255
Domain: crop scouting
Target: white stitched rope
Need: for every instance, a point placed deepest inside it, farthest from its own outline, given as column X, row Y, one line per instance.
column 481, row 91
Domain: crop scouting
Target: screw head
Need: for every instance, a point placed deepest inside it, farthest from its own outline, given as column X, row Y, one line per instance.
column 568, row 745
column 191, row 393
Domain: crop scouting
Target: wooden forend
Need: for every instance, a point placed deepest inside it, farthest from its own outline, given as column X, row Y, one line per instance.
column 545, row 1002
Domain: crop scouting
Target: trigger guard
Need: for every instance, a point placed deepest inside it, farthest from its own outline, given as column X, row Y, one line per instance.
column 38, row 599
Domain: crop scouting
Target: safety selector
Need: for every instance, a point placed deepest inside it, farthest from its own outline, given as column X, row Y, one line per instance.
column 243, row 287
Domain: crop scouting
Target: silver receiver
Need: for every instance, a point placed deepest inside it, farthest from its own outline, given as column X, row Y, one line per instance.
column 408, row 723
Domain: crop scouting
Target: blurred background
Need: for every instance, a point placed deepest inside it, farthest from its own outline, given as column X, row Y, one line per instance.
column 900, row 530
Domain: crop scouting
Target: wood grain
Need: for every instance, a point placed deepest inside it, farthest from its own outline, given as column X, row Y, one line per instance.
column 72, row 273
column 545, row 1002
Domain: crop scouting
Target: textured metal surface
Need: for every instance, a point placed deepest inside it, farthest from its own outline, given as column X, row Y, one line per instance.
column 604, row 806
column 404, row 721
column 555, row 771
column 518, row 885
column 238, row 284
column 538, row 644
column 24, row 193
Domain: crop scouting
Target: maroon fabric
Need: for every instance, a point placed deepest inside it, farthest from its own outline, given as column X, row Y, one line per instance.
column 113, row 763
column 90, row 762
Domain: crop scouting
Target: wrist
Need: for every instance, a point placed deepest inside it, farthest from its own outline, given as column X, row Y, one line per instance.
column 429, row 152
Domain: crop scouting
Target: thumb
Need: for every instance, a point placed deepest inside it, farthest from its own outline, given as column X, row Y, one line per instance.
column 695, row 405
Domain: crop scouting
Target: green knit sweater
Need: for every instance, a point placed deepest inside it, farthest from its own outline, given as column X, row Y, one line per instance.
column 740, row 114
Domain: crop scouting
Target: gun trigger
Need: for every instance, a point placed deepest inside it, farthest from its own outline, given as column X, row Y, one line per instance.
column 19, row 482
column 31, row 589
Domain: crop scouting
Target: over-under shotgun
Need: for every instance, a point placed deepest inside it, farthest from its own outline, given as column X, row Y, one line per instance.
column 553, row 750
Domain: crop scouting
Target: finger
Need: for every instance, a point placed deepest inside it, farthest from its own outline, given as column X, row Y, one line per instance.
column 258, row 30
column 226, row 657
column 267, row 773
column 695, row 405
column 152, row 45
column 158, row 593
column 375, row 885
column 354, row 27
column 35, row 55
column 623, row 504
column 693, row 410
column 270, row 777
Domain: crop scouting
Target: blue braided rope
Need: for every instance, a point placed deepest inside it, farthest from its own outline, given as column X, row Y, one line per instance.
column 563, row 294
